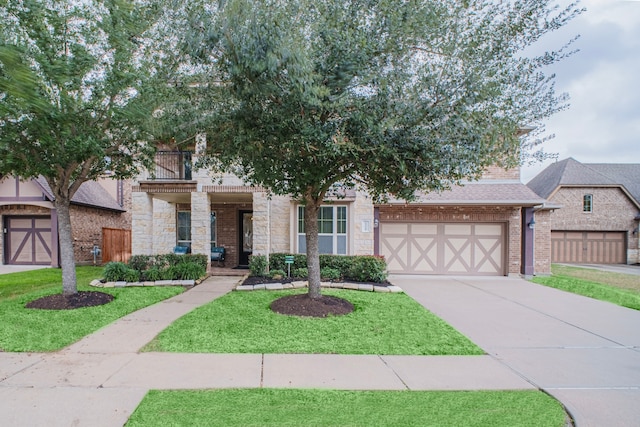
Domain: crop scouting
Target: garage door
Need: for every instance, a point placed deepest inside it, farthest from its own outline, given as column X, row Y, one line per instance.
column 437, row 248
column 589, row 247
column 27, row 240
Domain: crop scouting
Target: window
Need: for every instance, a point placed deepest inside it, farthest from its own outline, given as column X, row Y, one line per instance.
column 587, row 203
column 332, row 230
column 183, row 228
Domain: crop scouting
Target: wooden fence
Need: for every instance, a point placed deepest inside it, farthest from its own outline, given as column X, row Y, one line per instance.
column 116, row 245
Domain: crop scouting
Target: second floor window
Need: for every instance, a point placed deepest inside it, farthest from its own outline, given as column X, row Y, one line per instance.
column 587, row 203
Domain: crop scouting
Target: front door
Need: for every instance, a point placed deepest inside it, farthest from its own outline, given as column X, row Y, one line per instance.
column 246, row 237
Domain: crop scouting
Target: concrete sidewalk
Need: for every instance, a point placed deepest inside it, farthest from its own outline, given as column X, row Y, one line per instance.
column 584, row 352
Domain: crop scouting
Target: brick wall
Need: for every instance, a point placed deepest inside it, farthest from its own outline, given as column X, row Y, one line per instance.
column 498, row 173
column 542, row 243
column 612, row 211
column 507, row 215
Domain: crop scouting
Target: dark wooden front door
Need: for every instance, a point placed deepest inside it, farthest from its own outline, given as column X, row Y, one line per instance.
column 245, row 236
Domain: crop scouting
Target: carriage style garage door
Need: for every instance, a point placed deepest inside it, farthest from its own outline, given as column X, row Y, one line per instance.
column 589, row 247
column 444, row 248
column 27, row 240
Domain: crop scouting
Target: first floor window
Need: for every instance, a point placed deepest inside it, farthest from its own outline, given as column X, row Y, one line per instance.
column 183, row 228
column 587, row 203
column 332, row 230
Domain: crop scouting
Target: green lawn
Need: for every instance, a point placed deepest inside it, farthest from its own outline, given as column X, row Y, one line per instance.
column 242, row 322
column 293, row 407
column 23, row 329
column 617, row 288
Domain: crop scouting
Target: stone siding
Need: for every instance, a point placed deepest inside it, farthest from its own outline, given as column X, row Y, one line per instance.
column 362, row 215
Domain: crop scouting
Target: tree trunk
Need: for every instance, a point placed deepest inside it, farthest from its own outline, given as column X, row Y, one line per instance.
column 67, row 258
column 313, row 257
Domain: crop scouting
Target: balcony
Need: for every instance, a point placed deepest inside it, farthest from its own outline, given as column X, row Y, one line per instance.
column 173, row 166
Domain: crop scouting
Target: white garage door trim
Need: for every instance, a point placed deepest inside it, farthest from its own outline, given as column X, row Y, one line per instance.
column 444, row 248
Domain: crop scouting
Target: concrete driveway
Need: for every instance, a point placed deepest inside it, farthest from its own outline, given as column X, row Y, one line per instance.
column 5, row 269
column 633, row 269
column 584, row 352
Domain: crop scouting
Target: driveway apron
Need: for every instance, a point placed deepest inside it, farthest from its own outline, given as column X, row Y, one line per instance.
column 584, row 352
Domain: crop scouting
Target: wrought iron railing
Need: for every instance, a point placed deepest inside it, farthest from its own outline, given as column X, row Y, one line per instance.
column 173, row 165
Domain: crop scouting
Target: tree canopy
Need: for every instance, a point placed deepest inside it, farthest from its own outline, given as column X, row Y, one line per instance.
column 80, row 87
column 391, row 96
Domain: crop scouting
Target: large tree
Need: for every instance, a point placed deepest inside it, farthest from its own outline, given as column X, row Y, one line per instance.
column 80, row 85
column 391, row 96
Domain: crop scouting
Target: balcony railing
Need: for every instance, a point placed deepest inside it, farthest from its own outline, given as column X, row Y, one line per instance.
column 173, row 165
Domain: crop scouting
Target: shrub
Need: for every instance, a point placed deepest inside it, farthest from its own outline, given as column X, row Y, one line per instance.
column 131, row 275
column 329, row 273
column 199, row 259
column 115, row 271
column 140, row 262
column 187, row 271
column 276, row 261
column 258, row 265
column 277, row 274
column 367, row 269
column 300, row 273
column 153, row 274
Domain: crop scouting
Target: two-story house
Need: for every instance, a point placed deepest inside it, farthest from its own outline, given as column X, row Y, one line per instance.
column 484, row 227
column 598, row 222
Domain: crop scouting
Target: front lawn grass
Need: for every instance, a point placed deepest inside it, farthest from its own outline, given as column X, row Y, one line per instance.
column 294, row 407
column 620, row 289
column 23, row 329
column 242, row 322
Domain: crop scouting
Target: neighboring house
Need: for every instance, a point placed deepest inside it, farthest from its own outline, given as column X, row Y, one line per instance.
column 30, row 226
column 480, row 228
column 598, row 222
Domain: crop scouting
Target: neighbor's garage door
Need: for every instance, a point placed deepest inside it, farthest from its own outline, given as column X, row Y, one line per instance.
column 440, row 248
column 589, row 247
column 27, row 240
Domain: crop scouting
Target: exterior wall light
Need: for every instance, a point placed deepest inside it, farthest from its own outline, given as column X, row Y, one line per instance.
column 532, row 224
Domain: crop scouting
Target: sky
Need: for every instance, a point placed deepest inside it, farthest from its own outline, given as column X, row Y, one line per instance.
column 602, row 123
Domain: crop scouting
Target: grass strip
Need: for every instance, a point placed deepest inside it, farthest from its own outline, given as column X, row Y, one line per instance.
column 295, row 407
column 23, row 329
column 603, row 292
column 242, row 322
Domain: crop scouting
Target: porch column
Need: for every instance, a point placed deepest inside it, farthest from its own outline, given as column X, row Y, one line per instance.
column 528, row 229
column 261, row 224
column 200, row 224
column 141, row 224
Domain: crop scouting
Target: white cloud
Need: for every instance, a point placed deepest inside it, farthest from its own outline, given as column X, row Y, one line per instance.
column 603, row 81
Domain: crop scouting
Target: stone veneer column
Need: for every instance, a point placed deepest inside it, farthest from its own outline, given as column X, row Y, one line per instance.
column 141, row 224
column 164, row 226
column 261, row 222
column 200, row 224
column 362, row 215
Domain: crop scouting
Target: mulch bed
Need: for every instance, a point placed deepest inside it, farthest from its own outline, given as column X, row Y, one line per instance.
column 70, row 302
column 256, row 280
column 303, row 305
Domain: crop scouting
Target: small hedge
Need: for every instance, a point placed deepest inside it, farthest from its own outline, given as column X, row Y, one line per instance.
column 360, row 268
column 157, row 267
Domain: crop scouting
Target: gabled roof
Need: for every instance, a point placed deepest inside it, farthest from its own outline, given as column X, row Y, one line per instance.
column 572, row 173
column 481, row 193
column 90, row 194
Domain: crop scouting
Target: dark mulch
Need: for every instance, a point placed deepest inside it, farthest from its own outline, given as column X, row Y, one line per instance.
column 70, row 302
column 302, row 305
